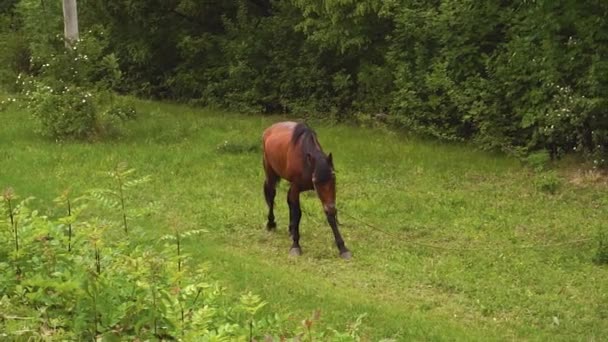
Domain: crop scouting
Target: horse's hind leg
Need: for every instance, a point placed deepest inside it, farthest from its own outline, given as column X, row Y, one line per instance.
column 295, row 213
column 270, row 185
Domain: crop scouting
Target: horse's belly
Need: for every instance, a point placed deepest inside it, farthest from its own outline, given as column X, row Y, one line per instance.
column 276, row 148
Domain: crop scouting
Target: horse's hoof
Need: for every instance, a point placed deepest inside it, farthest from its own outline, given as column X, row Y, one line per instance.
column 295, row 251
column 346, row 255
column 271, row 225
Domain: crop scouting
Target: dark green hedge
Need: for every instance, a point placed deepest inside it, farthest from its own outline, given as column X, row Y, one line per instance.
column 511, row 75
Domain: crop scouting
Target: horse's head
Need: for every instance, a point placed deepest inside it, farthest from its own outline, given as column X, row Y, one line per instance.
column 324, row 181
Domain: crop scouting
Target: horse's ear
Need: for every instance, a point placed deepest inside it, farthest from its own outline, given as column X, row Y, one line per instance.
column 330, row 160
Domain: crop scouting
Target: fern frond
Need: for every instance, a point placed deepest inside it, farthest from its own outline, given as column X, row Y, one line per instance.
column 136, row 182
column 168, row 237
column 106, row 198
column 194, row 232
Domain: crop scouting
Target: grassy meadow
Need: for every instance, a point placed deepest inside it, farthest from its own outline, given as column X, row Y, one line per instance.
column 449, row 243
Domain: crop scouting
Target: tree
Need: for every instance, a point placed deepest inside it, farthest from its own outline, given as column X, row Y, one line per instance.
column 70, row 22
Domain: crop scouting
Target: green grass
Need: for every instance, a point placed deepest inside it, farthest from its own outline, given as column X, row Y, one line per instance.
column 449, row 243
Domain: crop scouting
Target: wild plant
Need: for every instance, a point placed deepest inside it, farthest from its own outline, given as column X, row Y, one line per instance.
column 601, row 254
column 114, row 199
column 8, row 196
column 72, row 277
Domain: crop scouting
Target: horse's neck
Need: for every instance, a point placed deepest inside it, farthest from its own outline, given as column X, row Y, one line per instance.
column 311, row 146
column 316, row 144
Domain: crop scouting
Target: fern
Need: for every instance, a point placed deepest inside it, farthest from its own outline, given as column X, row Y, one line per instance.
column 106, row 287
column 106, row 198
column 73, row 209
column 115, row 199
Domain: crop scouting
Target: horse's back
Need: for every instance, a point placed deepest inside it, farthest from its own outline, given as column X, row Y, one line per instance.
column 278, row 148
column 279, row 128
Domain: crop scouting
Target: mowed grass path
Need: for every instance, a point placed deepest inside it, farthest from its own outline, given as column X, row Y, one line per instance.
column 463, row 245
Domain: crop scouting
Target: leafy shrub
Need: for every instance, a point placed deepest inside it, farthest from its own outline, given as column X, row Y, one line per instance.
column 72, row 112
column 520, row 80
column 548, row 182
column 374, row 89
column 67, row 113
column 122, row 111
column 516, row 77
column 13, row 57
column 78, row 275
column 601, row 255
column 111, row 120
column 538, row 160
column 65, row 88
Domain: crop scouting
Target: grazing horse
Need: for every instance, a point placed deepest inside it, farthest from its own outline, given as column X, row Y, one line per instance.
column 292, row 152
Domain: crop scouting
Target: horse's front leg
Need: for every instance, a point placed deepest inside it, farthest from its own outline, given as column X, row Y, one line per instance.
column 331, row 214
column 295, row 213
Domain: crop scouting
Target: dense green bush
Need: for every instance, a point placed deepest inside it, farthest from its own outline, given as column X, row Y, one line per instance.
column 67, row 113
column 68, row 91
column 516, row 76
column 547, row 74
column 73, row 112
column 14, row 55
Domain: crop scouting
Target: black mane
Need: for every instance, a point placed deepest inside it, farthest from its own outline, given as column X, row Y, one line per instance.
column 302, row 131
column 310, row 146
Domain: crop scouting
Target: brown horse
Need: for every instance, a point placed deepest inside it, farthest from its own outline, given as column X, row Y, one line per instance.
column 292, row 152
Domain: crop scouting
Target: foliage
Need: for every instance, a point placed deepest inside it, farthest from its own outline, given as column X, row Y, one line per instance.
column 538, row 160
column 513, row 76
column 556, row 94
column 67, row 113
column 67, row 90
column 75, row 274
column 13, row 49
column 548, row 182
column 601, row 255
